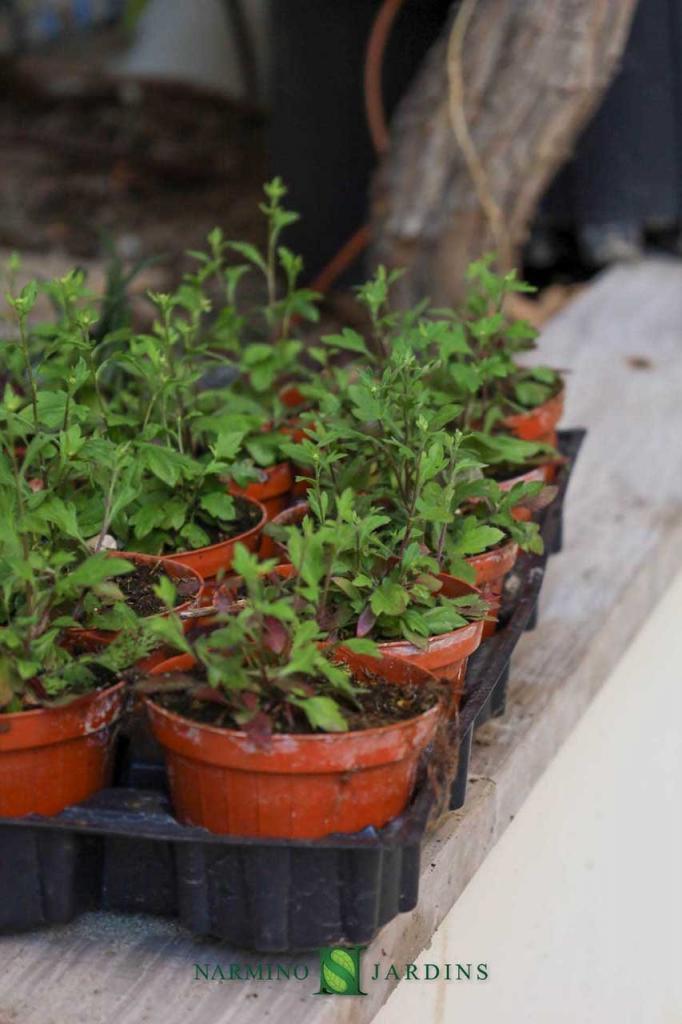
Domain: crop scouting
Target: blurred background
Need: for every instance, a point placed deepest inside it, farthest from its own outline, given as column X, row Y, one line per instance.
column 129, row 128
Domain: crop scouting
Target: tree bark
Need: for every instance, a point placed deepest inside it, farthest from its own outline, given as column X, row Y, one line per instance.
column 489, row 119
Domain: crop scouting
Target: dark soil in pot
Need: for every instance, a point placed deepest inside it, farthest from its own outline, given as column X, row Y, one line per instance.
column 137, row 588
column 247, row 516
column 380, row 703
column 508, row 470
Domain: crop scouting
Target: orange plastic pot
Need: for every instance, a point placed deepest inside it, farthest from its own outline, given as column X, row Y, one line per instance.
column 538, row 424
column 445, row 655
column 491, row 568
column 175, row 570
column 300, row 787
column 273, row 491
column 291, row 396
column 539, row 474
column 54, row 757
column 210, row 560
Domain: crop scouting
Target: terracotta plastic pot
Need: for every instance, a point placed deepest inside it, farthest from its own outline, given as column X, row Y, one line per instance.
column 538, row 424
column 445, row 655
column 301, row 787
column 291, row 396
column 273, row 491
column 491, row 568
column 175, row 570
column 55, row 757
column 539, row 474
column 210, row 560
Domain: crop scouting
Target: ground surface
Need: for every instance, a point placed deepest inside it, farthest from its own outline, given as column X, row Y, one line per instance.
column 153, row 166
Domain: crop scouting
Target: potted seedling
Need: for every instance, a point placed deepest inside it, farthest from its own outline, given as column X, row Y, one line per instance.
column 120, row 469
column 236, row 363
column 59, row 703
column 181, row 508
column 268, row 733
column 478, row 348
column 371, row 470
column 389, row 442
column 358, row 577
column 468, row 373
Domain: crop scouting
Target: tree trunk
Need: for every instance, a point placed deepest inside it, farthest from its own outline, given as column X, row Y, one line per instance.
column 493, row 113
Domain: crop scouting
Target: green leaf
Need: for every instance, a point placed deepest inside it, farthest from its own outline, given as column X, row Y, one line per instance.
column 195, row 536
column 544, row 374
column 477, row 538
column 165, row 591
column 362, row 645
column 366, row 407
column 361, row 580
column 257, row 353
column 322, row 713
column 263, row 450
column 52, row 407
column 249, row 252
column 219, row 504
column 530, row 394
column 97, row 568
column 150, row 517
column 228, row 443
column 62, row 515
column 167, row 630
column 389, row 599
column 164, row 463
column 348, row 340
column 442, row 619
column 465, row 377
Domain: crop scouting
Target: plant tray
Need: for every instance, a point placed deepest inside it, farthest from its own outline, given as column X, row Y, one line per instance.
column 122, row 850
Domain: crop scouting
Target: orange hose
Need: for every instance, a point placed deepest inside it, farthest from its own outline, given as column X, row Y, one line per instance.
column 378, row 130
column 344, row 258
column 374, row 60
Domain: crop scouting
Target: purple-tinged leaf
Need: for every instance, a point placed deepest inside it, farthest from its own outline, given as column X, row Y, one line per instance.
column 365, row 622
column 259, row 730
column 275, row 635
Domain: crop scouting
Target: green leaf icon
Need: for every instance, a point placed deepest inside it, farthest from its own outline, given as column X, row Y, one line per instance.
column 333, row 980
column 343, row 959
column 340, row 971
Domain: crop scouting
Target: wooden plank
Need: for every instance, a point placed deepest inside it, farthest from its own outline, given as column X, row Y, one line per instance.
column 623, row 545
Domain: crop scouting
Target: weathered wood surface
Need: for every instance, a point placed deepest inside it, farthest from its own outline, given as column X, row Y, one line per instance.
column 490, row 118
column 623, row 545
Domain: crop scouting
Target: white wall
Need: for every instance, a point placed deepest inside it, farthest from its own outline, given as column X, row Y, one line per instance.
column 578, row 910
column 191, row 40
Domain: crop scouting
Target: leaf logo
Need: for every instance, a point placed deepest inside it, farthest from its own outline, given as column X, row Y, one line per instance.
column 340, row 971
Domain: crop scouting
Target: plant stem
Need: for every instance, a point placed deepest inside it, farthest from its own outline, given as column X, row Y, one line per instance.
column 108, row 507
column 23, row 337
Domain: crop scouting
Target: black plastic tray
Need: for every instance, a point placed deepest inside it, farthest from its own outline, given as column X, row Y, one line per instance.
column 123, row 851
column 488, row 670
